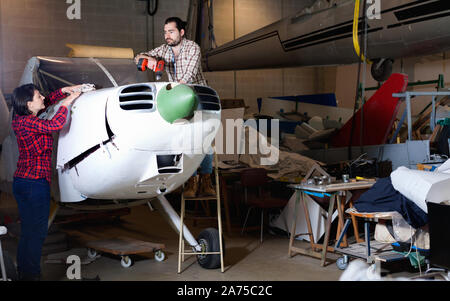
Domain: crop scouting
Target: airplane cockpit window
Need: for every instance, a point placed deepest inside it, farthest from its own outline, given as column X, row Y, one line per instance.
column 50, row 73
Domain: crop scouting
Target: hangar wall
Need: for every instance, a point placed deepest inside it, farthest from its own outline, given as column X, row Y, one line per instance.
column 41, row 27
column 233, row 19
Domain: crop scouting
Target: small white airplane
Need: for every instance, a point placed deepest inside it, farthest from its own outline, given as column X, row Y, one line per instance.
column 125, row 143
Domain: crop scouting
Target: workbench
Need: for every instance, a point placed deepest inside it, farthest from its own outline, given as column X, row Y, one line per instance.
column 337, row 193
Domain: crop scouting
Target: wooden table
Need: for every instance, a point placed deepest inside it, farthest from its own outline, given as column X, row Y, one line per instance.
column 336, row 191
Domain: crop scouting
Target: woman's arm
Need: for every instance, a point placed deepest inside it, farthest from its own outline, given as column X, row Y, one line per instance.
column 42, row 126
column 59, row 94
column 54, row 97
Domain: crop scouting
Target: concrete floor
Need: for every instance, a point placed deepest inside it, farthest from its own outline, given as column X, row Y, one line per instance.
column 246, row 259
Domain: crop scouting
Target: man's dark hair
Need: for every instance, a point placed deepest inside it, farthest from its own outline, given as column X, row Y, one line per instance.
column 180, row 24
column 22, row 95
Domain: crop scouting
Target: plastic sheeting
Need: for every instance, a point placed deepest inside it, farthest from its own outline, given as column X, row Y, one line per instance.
column 422, row 186
column 317, row 216
column 445, row 168
column 4, row 118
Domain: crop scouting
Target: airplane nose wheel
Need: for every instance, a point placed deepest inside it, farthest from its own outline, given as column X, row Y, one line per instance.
column 381, row 69
column 209, row 242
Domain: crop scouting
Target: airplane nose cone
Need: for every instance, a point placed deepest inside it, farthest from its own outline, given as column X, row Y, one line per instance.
column 176, row 102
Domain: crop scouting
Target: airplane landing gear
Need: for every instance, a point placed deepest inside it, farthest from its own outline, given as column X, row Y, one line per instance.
column 381, row 69
column 209, row 242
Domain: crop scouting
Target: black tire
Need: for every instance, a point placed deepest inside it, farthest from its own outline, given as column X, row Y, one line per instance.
column 381, row 73
column 209, row 240
column 10, row 267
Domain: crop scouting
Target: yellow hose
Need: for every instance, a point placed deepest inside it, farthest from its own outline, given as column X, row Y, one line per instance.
column 355, row 33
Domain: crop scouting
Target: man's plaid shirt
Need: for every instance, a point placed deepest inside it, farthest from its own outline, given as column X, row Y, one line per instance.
column 187, row 65
column 35, row 141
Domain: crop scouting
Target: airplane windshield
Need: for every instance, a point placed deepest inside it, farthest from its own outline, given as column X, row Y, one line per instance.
column 50, row 73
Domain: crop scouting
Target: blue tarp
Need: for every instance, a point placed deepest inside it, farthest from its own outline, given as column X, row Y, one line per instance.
column 382, row 197
column 317, row 99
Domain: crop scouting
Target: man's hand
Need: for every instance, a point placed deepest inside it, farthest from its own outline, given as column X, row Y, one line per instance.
column 140, row 56
column 151, row 61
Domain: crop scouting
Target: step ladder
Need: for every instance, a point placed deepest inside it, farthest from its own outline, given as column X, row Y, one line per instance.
column 181, row 247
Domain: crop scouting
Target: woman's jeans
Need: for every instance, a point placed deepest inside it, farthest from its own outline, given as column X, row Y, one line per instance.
column 33, row 200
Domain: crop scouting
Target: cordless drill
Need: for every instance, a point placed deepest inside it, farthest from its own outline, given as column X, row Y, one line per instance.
column 159, row 68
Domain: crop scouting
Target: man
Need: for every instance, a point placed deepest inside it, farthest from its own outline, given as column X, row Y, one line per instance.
column 182, row 59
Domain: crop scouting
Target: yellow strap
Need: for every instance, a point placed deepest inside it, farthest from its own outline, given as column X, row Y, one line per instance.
column 355, row 33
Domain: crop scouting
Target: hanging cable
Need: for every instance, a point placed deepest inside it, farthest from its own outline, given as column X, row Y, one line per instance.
column 361, row 132
column 355, row 31
column 212, row 38
column 152, row 7
column 357, row 49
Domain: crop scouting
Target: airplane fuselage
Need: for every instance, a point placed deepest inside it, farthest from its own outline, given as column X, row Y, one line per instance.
column 116, row 144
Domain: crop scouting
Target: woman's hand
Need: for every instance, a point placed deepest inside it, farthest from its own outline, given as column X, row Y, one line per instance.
column 69, row 99
column 71, row 89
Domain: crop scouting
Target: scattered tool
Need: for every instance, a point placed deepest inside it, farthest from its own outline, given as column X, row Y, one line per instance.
column 159, row 68
column 365, row 179
column 356, row 179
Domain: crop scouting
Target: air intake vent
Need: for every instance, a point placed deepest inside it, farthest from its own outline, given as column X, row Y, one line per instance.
column 207, row 98
column 138, row 97
column 169, row 164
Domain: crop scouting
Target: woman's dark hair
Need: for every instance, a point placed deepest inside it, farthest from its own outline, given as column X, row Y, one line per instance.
column 22, row 95
column 180, row 24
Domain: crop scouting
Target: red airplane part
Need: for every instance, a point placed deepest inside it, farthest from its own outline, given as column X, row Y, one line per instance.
column 379, row 114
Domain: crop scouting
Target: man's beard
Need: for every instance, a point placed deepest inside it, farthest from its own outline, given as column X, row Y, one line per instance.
column 174, row 43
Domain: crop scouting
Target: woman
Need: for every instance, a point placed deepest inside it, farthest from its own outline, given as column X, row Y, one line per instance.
column 31, row 185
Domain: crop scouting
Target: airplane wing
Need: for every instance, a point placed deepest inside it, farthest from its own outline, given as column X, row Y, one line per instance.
column 4, row 118
column 323, row 34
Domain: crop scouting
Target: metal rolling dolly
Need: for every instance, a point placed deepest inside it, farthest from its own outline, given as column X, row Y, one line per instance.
column 369, row 250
